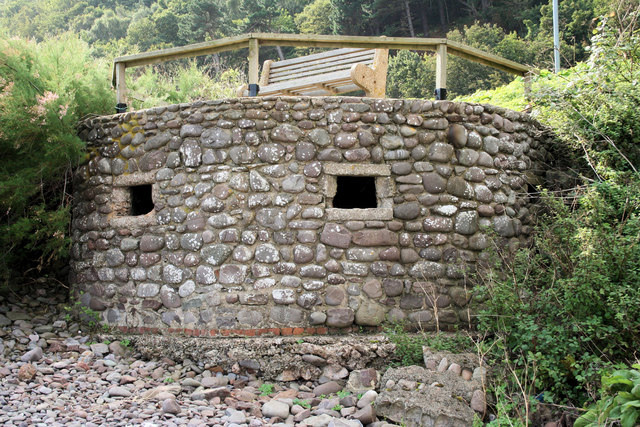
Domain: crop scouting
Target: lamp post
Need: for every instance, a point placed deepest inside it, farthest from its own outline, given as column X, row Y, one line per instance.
column 556, row 38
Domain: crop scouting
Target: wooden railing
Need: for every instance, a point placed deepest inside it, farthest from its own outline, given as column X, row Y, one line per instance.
column 253, row 41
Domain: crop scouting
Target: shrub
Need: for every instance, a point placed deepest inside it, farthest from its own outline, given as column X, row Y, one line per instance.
column 45, row 89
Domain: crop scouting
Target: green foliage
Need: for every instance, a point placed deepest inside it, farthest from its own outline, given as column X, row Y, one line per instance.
column 303, row 403
column 44, row 90
column 85, row 316
column 337, row 408
column 181, row 84
column 620, row 400
column 584, row 269
column 409, row 345
column 314, row 19
column 410, row 76
column 266, row 389
column 343, row 393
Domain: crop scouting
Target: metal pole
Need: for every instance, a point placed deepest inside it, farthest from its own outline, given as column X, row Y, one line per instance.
column 556, row 38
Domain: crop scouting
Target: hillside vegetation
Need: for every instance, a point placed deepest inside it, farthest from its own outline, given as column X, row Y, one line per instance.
column 555, row 316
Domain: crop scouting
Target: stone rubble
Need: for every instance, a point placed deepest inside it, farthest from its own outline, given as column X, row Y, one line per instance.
column 55, row 374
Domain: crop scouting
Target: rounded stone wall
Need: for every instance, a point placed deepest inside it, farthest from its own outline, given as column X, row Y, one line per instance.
column 280, row 214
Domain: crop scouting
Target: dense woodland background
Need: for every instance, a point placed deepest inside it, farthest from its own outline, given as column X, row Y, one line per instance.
column 559, row 320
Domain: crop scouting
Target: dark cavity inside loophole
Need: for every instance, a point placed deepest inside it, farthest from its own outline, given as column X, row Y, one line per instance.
column 141, row 201
column 355, row 192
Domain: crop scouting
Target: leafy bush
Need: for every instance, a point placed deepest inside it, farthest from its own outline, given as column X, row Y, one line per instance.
column 44, row 90
column 620, row 400
column 569, row 304
column 564, row 310
column 410, row 76
column 179, row 84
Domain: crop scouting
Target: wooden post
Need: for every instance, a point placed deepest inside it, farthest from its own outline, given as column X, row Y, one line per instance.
column 441, row 71
column 121, row 88
column 253, row 67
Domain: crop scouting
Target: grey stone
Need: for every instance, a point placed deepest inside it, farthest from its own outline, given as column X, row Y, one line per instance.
column 114, row 257
column 467, row 157
column 191, row 241
column 283, row 296
column 215, row 254
column 216, row 138
column 169, row 297
column 271, row 218
column 334, row 295
column 293, row 184
column 457, row 135
column 440, row 152
column 172, row 274
column 191, row 153
column 150, row 243
column 370, row 314
column 391, row 142
column 320, row 137
column 286, row 315
column 335, row 235
column 148, row 290
column 257, row 182
column 267, row 253
column 187, row 288
column 271, row 153
column 205, row 275
column 340, row 317
column 407, row 211
column 467, row 222
column 434, row 183
column 232, row 274
column 249, row 317
column 286, row 133
column 157, row 141
column 32, row 355
column 427, row 270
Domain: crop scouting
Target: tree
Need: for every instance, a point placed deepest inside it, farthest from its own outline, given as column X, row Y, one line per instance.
column 409, row 76
column 44, row 90
column 315, row 18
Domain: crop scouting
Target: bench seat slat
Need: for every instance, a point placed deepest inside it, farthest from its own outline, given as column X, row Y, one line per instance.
column 317, row 69
column 317, row 56
column 329, row 79
column 356, row 57
column 310, row 73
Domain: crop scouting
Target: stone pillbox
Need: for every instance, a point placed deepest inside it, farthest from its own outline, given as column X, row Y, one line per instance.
column 266, row 214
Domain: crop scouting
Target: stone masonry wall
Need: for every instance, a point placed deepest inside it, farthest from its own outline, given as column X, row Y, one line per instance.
column 243, row 234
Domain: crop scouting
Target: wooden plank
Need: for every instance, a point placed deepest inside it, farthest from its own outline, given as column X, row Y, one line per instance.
column 339, row 76
column 320, row 56
column 441, row 67
column 266, row 71
column 311, row 40
column 253, row 61
column 486, row 58
column 307, row 73
column 336, row 62
column 366, row 55
column 121, row 84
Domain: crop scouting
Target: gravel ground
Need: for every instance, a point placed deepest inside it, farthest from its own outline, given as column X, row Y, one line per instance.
column 55, row 374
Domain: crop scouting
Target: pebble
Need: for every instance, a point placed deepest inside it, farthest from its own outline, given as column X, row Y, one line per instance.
column 57, row 375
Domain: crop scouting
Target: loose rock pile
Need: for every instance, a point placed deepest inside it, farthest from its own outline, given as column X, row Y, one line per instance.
column 55, row 374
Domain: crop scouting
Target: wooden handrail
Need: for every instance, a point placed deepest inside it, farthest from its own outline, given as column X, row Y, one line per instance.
column 253, row 41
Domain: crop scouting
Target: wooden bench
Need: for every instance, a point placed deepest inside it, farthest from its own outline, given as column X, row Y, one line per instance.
column 328, row 73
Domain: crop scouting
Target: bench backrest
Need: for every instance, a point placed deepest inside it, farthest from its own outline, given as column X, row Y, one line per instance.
column 316, row 64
